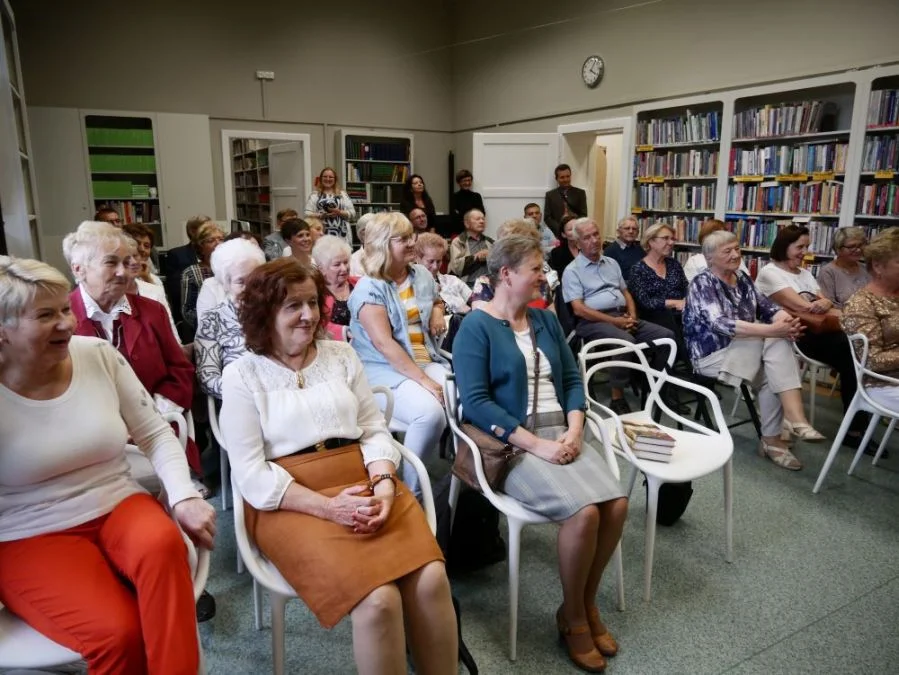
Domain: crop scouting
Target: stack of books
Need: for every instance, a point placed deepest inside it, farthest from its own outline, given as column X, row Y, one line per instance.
column 648, row 441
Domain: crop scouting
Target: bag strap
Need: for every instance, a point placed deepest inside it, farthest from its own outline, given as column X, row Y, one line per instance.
column 536, row 374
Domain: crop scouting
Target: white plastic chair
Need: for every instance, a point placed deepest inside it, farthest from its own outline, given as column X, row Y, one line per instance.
column 810, row 366
column 517, row 515
column 699, row 451
column 21, row 646
column 266, row 575
column 224, row 466
column 862, row 401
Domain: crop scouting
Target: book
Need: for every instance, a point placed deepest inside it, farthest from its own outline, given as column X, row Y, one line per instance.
column 648, row 437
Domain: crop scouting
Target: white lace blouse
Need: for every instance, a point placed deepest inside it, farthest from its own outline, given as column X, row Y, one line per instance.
column 265, row 415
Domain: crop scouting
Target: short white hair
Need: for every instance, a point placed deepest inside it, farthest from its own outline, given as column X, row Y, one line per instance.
column 624, row 221
column 20, row 280
column 576, row 223
column 227, row 254
column 716, row 240
column 91, row 239
column 363, row 221
column 327, row 248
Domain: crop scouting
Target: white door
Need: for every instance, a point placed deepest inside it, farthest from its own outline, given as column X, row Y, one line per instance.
column 288, row 179
column 511, row 170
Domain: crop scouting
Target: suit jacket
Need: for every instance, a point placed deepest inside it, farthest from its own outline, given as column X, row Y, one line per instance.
column 554, row 207
column 149, row 347
column 178, row 259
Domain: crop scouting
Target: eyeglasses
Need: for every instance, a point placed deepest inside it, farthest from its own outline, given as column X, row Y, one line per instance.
column 666, row 239
column 408, row 239
column 857, row 247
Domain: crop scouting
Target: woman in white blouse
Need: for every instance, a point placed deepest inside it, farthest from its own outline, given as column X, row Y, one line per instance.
column 316, row 515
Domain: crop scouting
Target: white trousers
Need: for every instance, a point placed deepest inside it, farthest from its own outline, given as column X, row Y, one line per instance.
column 888, row 397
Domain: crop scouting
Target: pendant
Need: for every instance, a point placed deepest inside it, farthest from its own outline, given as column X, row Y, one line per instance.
column 301, row 381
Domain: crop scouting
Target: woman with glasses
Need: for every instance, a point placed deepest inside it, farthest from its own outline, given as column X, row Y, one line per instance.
column 842, row 277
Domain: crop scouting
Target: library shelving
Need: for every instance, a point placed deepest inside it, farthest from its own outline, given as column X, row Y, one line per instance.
column 252, row 183
column 877, row 204
column 375, row 165
column 122, row 164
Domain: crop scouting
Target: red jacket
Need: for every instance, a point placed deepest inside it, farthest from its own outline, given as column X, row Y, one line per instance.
column 149, row 346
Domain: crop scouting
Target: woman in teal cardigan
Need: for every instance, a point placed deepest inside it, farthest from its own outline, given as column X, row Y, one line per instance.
column 560, row 476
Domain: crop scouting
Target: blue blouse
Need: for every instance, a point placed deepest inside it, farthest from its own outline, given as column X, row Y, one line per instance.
column 650, row 291
column 713, row 309
column 492, row 375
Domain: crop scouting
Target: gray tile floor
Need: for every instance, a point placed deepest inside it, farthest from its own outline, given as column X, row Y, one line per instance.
column 814, row 586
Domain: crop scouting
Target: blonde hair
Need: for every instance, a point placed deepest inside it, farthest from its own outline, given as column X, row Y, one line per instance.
column 377, row 259
column 90, row 240
column 207, row 230
column 20, row 280
column 314, row 223
column 882, row 248
column 193, row 226
column 523, row 227
column 652, row 232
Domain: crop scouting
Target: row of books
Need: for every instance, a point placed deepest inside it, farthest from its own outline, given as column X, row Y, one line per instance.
column 666, row 197
column 883, row 108
column 250, row 179
column 771, row 196
column 251, row 162
column 881, row 153
column 368, row 193
column 689, row 128
column 135, row 212
column 788, row 159
column 381, row 173
column 880, row 199
column 395, row 151
column 253, row 197
column 785, row 119
column 685, row 229
column 691, row 163
column 754, row 233
column 242, row 145
column 256, row 213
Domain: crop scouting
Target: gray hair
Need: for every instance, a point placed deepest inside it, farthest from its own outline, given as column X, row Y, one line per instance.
column 229, row 253
column 363, row 221
column 510, row 252
column 843, row 235
column 625, row 220
column 716, row 240
column 20, row 280
column 88, row 242
column 327, row 248
column 575, row 225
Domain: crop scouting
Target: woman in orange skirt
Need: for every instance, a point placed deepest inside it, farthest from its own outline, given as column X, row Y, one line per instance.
column 317, row 467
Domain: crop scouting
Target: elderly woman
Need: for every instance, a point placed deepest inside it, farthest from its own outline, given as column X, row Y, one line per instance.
column 842, row 277
column 356, row 269
column 468, row 251
column 874, row 312
column 87, row 557
column 430, row 251
column 510, row 360
column 332, row 257
column 697, row 262
column 209, row 236
column 298, row 236
column 785, row 282
column 330, row 204
column 734, row 333
column 143, row 282
column 395, row 312
column 316, row 515
column 212, row 293
column 219, row 338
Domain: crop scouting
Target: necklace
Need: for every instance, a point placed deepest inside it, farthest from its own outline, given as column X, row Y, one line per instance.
column 298, row 372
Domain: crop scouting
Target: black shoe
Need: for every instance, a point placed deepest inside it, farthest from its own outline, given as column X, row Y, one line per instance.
column 205, row 607
column 619, row 406
column 870, row 449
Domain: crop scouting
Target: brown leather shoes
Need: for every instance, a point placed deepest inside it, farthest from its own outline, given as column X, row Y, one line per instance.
column 602, row 638
column 581, row 649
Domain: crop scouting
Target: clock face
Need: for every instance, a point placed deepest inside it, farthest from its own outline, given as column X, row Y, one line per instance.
column 593, row 70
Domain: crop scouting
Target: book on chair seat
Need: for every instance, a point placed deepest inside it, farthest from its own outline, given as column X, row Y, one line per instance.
column 648, row 441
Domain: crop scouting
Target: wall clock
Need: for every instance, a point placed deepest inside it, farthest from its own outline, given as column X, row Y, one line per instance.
column 593, row 70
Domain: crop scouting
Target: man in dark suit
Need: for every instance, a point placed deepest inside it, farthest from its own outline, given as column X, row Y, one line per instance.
column 179, row 259
column 565, row 200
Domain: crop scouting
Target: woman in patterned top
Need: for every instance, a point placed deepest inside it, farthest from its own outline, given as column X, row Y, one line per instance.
column 219, row 339
column 332, row 257
column 395, row 314
column 430, row 251
column 331, row 205
column 736, row 334
column 209, row 236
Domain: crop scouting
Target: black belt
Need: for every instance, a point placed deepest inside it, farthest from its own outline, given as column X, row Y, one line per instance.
column 328, row 444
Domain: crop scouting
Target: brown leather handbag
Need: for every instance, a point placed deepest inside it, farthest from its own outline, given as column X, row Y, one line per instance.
column 497, row 458
column 821, row 323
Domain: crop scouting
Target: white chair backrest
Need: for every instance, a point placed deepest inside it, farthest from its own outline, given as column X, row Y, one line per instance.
column 387, row 393
column 858, row 345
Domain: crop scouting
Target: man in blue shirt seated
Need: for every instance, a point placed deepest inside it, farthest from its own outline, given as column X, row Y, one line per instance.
column 626, row 249
column 595, row 288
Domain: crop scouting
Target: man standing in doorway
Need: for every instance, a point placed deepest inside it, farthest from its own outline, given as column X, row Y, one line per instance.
column 548, row 240
column 565, row 200
column 626, row 250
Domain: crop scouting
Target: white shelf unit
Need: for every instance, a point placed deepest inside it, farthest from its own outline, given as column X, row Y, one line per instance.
column 374, row 166
column 877, row 203
column 252, row 183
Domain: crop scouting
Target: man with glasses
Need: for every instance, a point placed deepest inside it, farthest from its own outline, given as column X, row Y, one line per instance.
column 626, row 250
column 107, row 214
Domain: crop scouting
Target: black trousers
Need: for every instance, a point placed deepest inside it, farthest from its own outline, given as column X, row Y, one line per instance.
column 833, row 349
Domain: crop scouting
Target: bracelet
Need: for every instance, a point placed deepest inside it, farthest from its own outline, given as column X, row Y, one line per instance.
column 377, row 479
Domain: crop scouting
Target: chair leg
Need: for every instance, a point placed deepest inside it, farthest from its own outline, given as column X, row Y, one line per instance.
column 875, row 420
column 278, row 603
column 224, row 474
column 257, row 604
column 813, row 384
column 619, row 573
column 837, row 442
column 240, row 567
column 750, row 405
column 729, row 511
column 201, row 670
column 883, row 443
column 631, row 480
column 652, row 508
column 514, row 562
column 733, row 410
column 455, row 489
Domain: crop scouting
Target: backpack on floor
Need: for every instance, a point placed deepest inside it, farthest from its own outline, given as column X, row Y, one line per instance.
column 673, row 501
column 475, row 541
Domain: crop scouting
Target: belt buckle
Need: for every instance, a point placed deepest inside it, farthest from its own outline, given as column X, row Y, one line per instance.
column 320, row 446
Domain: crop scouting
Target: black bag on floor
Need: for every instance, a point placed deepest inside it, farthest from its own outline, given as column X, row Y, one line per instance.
column 475, row 541
column 673, row 501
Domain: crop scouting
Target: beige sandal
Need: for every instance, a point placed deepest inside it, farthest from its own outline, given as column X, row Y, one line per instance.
column 802, row 431
column 782, row 457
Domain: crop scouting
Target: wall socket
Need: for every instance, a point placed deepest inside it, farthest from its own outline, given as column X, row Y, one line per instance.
column 265, row 74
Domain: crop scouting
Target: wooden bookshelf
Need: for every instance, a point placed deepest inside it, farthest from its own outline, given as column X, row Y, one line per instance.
column 252, row 183
column 122, row 164
column 877, row 203
column 374, row 166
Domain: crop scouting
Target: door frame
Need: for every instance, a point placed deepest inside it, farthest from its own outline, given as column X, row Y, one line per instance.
column 612, row 124
column 230, row 134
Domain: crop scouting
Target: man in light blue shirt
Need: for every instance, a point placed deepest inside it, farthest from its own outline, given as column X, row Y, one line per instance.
column 595, row 288
column 548, row 240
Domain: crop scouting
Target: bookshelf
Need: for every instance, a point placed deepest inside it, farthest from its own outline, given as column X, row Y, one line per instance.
column 877, row 203
column 374, row 166
column 252, row 183
column 122, row 164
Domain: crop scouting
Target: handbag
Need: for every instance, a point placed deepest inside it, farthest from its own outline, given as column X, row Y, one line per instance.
column 821, row 323
column 498, row 458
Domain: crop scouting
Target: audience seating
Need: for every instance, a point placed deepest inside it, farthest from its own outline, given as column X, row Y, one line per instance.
column 812, row 367
column 517, row 515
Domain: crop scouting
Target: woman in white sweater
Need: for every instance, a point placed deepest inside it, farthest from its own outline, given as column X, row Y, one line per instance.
column 87, row 557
